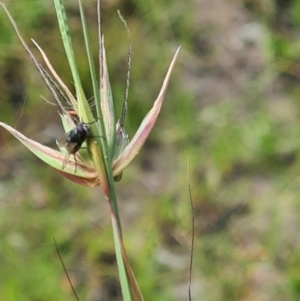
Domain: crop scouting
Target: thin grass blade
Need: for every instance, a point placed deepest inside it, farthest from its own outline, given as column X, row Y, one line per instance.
column 128, row 278
column 83, row 108
column 121, row 266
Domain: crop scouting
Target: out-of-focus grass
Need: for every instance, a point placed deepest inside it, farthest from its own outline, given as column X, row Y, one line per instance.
column 232, row 108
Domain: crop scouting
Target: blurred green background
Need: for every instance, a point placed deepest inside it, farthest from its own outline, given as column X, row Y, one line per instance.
column 232, row 109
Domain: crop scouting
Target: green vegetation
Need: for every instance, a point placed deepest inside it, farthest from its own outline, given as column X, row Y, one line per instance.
column 232, row 108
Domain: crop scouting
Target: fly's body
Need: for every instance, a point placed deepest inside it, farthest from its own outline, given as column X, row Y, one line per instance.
column 73, row 141
column 76, row 137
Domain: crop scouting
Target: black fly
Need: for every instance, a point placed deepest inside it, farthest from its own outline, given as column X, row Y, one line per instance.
column 73, row 141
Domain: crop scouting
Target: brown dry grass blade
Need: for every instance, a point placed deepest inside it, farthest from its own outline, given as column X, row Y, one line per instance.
column 84, row 175
column 146, row 126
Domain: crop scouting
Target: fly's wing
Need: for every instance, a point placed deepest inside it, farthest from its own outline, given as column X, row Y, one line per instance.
column 71, row 148
column 66, row 160
column 62, row 142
